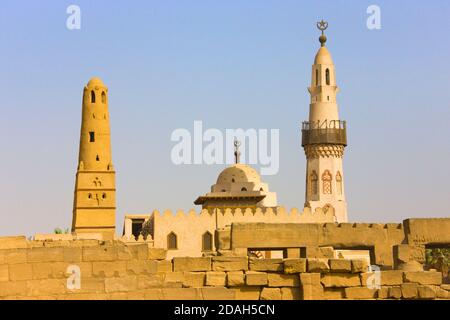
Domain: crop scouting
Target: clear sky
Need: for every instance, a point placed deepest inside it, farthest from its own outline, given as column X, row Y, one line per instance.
column 231, row 64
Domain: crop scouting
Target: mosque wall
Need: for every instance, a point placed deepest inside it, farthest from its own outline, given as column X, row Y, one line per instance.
column 191, row 227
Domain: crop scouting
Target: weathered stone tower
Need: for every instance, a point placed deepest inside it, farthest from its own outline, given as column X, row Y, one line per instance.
column 94, row 208
column 324, row 137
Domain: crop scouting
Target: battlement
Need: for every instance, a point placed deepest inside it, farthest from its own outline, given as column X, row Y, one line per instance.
column 322, row 214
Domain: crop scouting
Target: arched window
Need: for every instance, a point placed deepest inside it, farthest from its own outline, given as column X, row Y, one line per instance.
column 207, row 241
column 317, row 77
column 261, row 189
column 172, row 241
column 339, row 183
column 326, row 181
column 313, row 183
column 327, row 76
column 92, row 96
column 103, row 97
column 244, row 189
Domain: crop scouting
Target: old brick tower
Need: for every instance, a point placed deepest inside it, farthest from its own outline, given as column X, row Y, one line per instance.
column 94, row 207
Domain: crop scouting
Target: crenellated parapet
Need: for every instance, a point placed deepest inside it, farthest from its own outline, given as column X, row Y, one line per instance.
column 266, row 214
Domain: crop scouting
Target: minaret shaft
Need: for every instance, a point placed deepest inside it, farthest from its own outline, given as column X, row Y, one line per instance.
column 324, row 139
column 94, row 199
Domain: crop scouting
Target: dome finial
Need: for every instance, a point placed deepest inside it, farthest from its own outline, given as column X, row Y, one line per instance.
column 322, row 26
column 237, row 153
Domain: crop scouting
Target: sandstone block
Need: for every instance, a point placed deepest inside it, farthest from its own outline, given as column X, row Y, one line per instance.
column 56, row 270
column 13, row 242
column 383, row 292
column 191, row 264
column 339, row 280
column 109, row 269
column 423, row 277
column 383, row 278
column 194, row 279
column 22, row 271
column 290, row 293
column 333, row 293
column 409, row 290
column 90, row 285
column 340, row 265
column 163, row 266
column 123, row 252
column 13, row 288
column 100, row 253
column 283, row 280
column 274, row 265
column 72, row 254
column 319, row 252
column 157, row 254
column 318, row 265
column 139, row 251
column 310, row 286
column 138, row 267
column 227, row 263
column 235, row 278
column 395, row 292
column 391, row 277
column 271, row 294
column 4, row 273
column 247, row 293
column 14, row 256
column 46, row 287
column 150, row 281
column 255, row 278
column 45, row 254
column 360, row 293
column 294, row 266
column 120, row 284
column 216, row 278
column 174, row 278
column 217, row 294
column 359, row 266
column 426, row 292
column 408, row 257
column 441, row 293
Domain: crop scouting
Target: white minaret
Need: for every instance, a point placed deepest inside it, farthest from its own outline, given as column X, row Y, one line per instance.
column 324, row 137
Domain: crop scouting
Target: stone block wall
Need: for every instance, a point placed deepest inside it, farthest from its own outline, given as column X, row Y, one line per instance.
column 114, row 270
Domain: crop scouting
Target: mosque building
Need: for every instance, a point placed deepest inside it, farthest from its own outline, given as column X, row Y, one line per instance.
column 239, row 194
column 238, row 186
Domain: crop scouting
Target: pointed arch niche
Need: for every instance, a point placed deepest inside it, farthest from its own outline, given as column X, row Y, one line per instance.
column 326, row 182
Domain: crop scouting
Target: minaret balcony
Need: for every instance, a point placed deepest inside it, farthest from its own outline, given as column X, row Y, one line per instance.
column 327, row 132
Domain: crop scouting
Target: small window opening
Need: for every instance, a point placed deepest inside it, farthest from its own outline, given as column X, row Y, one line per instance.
column 207, row 241
column 172, row 241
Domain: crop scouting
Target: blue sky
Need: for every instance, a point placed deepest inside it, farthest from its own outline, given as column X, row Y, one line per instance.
column 231, row 64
